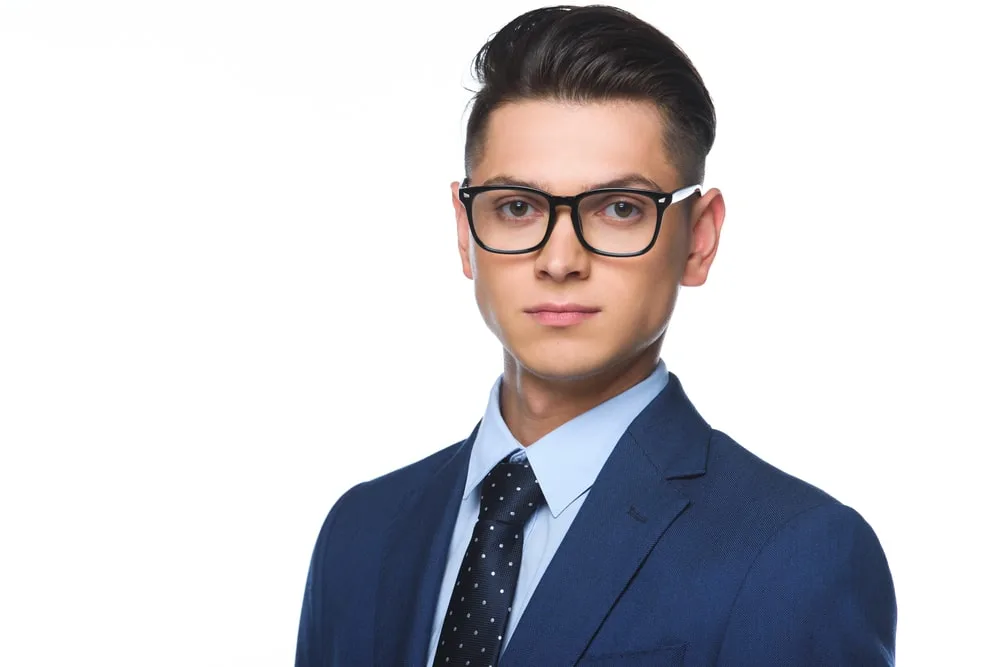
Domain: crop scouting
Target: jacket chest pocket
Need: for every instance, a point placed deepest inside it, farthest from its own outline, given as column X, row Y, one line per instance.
column 668, row 656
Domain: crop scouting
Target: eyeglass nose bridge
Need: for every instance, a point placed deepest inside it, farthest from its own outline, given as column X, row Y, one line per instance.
column 572, row 203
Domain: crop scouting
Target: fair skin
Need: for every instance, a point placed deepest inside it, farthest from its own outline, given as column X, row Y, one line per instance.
column 552, row 374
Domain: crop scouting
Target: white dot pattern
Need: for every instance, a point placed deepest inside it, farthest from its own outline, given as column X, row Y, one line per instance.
column 483, row 595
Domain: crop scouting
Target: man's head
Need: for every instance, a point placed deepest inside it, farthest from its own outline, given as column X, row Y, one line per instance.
column 575, row 99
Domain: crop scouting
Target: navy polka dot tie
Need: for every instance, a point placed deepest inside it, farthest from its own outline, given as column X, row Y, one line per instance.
column 476, row 618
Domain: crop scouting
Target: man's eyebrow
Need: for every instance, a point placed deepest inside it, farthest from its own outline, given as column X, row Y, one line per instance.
column 634, row 180
column 506, row 179
column 628, row 181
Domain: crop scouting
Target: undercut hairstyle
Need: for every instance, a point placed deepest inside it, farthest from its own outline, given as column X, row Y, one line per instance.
column 594, row 54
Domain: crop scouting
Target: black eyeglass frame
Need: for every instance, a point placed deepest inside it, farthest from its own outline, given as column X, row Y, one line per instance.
column 662, row 201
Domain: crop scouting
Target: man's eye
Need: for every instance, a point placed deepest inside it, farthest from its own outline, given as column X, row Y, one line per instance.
column 516, row 209
column 622, row 210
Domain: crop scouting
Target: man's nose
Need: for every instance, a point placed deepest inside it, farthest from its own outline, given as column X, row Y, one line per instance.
column 563, row 256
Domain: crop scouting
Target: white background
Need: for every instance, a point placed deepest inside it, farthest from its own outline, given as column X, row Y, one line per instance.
column 229, row 290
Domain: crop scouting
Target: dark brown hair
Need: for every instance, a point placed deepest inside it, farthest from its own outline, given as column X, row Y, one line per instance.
column 594, row 53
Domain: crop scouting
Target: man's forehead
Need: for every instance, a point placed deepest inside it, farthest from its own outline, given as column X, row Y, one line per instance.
column 552, row 145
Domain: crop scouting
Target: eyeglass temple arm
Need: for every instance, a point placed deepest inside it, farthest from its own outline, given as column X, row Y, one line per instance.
column 683, row 193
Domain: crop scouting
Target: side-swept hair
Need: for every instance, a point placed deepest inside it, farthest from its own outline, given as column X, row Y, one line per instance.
column 594, row 53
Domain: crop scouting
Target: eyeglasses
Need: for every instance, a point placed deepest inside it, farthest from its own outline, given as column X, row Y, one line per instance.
column 614, row 222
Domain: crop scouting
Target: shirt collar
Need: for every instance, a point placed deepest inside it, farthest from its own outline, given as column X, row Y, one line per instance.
column 567, row 460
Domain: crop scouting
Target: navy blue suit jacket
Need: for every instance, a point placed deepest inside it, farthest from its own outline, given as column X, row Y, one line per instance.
column 689, row 550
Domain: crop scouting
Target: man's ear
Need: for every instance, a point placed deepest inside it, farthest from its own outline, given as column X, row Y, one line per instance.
column 707, row 216
column 464, row 235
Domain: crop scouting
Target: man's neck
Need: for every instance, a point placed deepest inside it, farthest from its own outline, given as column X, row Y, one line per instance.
column 533, row 407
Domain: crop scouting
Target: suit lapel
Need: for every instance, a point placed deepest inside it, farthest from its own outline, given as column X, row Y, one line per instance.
column 630, row 506
column 413, row 564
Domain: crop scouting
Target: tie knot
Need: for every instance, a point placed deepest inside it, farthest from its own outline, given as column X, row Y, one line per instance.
column 510, row 493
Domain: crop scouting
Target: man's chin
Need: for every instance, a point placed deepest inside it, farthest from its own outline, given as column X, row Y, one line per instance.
column 562, row 363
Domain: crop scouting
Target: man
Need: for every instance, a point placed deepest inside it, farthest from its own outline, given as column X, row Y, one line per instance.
column 592, row 517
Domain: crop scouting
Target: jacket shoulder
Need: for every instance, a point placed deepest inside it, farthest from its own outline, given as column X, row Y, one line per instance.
column 736, row 473
column 749, row 500
column 382, row 496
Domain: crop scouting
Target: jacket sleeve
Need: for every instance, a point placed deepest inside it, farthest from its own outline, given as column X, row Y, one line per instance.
column 819, row 593
column 312, row 648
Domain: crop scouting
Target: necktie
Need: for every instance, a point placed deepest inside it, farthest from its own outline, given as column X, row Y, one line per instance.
column 476, row 618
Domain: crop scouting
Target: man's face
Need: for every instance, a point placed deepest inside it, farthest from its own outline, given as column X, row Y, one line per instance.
column 566, row 149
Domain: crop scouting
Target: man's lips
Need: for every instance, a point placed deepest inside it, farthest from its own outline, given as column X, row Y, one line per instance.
column 562, row 308
column 561, row 314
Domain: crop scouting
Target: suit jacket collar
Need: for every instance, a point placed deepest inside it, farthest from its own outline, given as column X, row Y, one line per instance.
column 672, row 434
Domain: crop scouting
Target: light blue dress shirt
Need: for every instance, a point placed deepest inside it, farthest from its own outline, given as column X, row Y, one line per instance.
column 566, row 462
